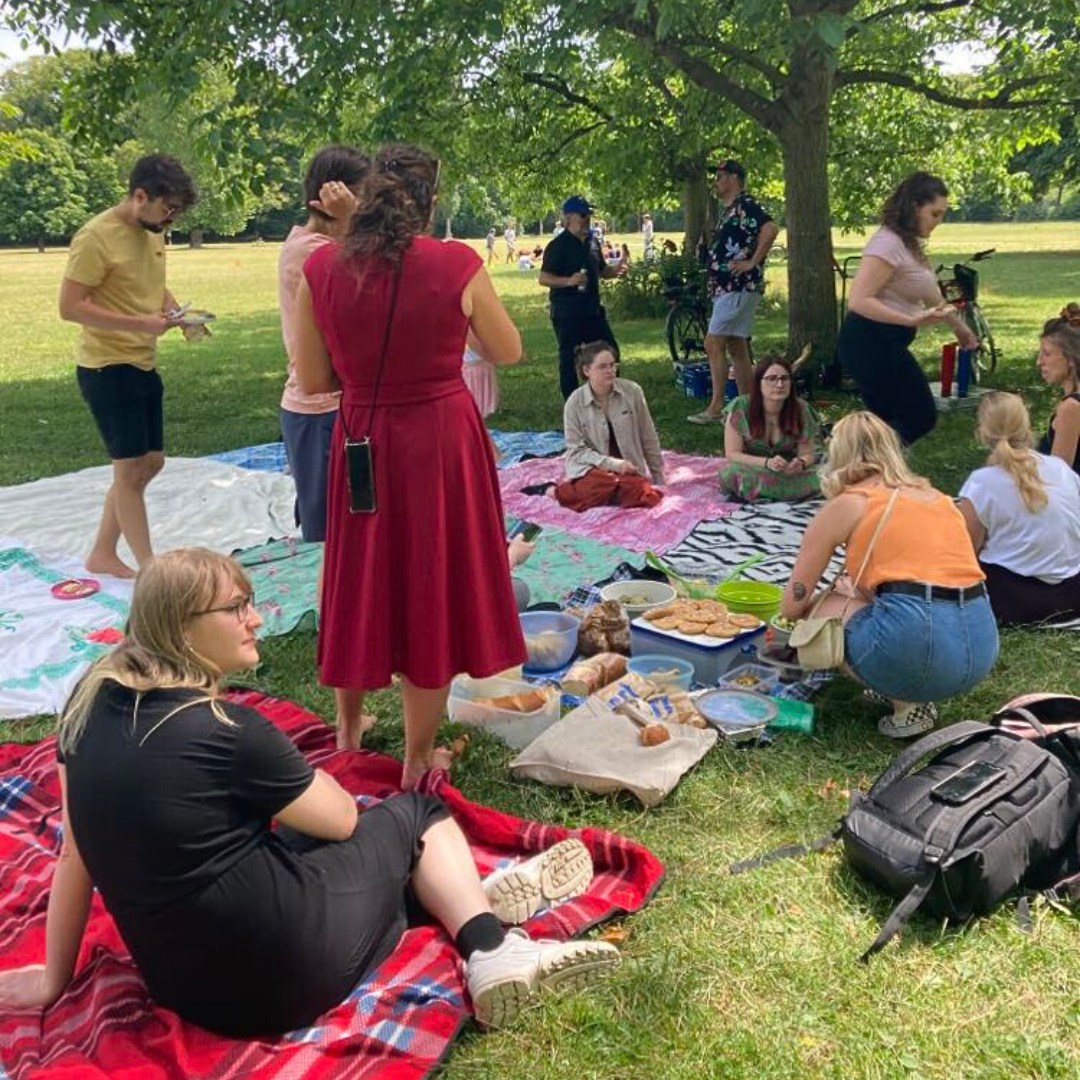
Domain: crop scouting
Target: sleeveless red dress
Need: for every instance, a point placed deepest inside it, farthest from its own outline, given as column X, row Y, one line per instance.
column 421, row 587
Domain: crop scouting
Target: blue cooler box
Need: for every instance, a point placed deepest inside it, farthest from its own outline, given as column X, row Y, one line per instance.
column 694, row 380
column 711, row 657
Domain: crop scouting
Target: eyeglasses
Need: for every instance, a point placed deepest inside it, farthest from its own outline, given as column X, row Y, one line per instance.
column 777, row 380
column 241, row 607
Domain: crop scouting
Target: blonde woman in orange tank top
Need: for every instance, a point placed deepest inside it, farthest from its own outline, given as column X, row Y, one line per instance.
column 918, row 628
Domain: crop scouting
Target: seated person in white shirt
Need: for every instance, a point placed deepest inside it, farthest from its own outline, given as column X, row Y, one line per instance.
column 1023, row 513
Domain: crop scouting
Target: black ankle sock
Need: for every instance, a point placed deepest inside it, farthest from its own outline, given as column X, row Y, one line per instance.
column 481, row 933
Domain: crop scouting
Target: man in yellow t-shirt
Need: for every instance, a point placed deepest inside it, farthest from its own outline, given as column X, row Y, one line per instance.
column 114, row 287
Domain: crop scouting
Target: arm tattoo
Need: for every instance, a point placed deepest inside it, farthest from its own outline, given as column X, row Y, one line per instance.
column 798, row 590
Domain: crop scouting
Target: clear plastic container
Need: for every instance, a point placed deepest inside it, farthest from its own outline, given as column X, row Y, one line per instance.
column 516, row 729
column 758, row 678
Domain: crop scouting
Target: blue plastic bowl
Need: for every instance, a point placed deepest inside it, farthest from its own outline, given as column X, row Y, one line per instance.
column 649, row 663
column 550, row 639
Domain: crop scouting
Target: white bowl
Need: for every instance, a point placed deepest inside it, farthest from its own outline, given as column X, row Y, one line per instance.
column 642, row 594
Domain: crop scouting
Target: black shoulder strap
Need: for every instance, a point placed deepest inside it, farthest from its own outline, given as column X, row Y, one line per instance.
column 901, row 913
column 789, row 851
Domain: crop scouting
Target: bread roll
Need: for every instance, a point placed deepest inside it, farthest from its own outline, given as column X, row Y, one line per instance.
column 654, row 735
column 525, row 702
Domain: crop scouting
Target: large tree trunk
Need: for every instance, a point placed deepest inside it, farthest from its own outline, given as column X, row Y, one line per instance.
column 698, row 212
column 804, row 140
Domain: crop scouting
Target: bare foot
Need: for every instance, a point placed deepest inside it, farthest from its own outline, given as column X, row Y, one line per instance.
column 111, row 565
column 350, row 733
column 443, row 757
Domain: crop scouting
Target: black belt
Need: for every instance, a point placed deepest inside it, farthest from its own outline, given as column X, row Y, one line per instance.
column 934, row 592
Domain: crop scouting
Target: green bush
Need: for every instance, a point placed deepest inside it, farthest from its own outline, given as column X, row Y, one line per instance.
column 641, row 292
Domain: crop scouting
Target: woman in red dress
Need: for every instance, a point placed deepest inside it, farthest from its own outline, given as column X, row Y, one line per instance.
column 419, row 586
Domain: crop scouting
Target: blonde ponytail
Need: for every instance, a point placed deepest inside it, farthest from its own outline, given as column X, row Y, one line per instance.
column 1005, row 427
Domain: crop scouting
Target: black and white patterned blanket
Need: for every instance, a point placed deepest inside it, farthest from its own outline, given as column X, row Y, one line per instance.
column 772, row 530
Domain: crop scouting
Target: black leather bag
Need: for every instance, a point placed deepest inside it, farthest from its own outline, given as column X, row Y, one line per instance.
column 917, row 835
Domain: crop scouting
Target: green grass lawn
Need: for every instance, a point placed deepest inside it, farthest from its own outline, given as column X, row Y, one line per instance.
column 753, row 976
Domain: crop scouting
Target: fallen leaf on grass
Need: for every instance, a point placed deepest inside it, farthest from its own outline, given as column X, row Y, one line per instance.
column 614, row 935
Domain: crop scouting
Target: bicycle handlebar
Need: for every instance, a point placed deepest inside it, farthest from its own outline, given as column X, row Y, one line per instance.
column 980, row 255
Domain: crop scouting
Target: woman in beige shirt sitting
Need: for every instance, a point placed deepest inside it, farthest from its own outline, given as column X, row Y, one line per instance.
column 612, row 450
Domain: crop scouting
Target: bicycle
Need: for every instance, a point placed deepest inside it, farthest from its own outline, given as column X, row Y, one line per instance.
column 687, row 320
column 962, row 292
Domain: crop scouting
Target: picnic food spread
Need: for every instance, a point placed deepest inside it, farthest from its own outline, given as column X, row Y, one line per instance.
column 710, row 618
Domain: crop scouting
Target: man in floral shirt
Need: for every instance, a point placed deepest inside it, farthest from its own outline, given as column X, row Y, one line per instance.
column 736, row 261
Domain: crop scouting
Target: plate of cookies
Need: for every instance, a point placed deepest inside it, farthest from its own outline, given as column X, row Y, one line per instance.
column 705, row 622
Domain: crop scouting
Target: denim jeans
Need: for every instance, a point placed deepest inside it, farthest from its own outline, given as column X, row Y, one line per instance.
column 913, row 649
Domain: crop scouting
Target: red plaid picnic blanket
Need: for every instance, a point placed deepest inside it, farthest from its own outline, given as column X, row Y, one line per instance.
column 397, row 1024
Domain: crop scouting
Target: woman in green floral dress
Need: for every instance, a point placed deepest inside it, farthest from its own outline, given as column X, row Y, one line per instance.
column 770, row 440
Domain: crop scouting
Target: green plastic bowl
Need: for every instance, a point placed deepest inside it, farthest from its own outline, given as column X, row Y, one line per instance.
column 751, row 597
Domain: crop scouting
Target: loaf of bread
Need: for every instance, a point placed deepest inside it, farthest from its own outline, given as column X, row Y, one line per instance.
column 524, row 702
column 588, row 676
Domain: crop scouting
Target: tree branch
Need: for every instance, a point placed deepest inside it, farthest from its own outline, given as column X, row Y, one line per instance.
column 705, row 75
column 561, row 87
column 578, row 133
column 1003, row 99
column 772, row 73
column 919, row 7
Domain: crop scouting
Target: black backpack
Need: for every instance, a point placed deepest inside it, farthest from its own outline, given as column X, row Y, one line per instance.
column 967, row 816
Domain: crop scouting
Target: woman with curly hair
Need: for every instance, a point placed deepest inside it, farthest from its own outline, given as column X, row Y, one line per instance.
column 413, row 505
column 918, row 627
column 770, row 439
column 895, row 292
column 1059, row 365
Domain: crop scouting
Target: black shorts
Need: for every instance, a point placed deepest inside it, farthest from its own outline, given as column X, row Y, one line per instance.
column 126, row 402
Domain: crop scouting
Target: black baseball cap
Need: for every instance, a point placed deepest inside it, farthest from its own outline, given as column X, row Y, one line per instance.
column 730, row 165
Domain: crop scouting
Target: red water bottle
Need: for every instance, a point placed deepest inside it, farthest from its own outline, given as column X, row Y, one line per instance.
column 963, row 371
column 948, row 364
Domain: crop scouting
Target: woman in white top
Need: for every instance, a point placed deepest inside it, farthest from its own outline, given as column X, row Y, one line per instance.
column 1023, row 513
column 894, row 293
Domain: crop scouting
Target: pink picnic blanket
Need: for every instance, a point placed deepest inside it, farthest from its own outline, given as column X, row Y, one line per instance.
column 398, row 1022
column 691, row 495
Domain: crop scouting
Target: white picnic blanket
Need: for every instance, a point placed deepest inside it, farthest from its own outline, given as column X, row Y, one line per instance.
column 46, row 643
column 193, row 502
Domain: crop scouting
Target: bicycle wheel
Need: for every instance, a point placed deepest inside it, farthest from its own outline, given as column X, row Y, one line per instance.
column 685, row 330
column 986, row 355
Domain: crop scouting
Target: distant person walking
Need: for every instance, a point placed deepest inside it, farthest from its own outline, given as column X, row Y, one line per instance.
column 736, row 268
column 572, row 267
column 490, row 242
column 510, row 236
column 647, row 237
column 114, row 287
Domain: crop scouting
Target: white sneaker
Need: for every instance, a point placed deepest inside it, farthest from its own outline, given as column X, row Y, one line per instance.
column 516, row 893
column 504, row 980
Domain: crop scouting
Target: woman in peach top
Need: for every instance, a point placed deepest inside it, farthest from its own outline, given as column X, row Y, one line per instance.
column 919, row 627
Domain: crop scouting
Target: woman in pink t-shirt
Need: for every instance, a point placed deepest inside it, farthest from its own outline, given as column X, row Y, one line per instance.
column 307, row 420
column 894, row 293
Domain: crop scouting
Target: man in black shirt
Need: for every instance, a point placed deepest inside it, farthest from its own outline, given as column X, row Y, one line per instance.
column 572, row 268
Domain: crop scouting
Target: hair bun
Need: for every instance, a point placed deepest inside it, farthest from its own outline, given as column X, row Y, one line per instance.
column 1071, row 314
